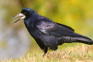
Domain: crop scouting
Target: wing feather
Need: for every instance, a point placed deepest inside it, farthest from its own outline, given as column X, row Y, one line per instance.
column 61, row 32
column 55, row 29
column 66, row 26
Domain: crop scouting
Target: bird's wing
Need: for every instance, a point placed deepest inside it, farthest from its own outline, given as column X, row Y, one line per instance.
column 66, row 26
column 55, row 29
column 62, row 32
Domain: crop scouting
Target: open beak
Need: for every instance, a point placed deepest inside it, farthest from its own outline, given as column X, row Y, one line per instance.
column 22, row 16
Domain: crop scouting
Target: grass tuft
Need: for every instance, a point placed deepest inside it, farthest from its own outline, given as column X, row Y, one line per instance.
column 80, row 53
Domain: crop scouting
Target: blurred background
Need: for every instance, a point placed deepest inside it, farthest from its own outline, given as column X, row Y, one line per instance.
column 15, row 40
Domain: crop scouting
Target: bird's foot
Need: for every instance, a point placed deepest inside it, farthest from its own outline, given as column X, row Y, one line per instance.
column 43, row 54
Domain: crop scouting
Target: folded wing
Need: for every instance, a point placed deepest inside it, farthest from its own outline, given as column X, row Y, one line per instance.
column 65, row 33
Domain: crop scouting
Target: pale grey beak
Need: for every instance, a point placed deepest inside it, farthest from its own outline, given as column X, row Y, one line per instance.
column 22, row 16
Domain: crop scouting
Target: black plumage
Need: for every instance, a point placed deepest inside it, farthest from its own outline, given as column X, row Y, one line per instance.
column 47, row 33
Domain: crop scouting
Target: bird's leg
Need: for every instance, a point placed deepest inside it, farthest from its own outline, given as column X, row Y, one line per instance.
column 45, row 51
column 44, row 54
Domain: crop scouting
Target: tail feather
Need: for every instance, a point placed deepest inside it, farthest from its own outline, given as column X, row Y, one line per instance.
column 84, row 40
column 81, row 38
column 74, row 38
column 67, row 39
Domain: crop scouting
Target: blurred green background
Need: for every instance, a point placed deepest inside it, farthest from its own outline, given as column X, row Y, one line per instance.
column 15, row 39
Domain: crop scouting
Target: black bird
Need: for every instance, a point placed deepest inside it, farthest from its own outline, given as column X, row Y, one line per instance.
column 49, row 34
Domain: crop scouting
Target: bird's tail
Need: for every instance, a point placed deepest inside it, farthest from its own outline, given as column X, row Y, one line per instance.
column 83, row 40
column 79, row 38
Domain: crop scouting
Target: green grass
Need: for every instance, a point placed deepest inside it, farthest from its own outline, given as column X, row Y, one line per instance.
column 78, row 53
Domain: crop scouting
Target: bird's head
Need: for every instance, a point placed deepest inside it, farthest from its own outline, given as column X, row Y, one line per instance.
column 26, row 12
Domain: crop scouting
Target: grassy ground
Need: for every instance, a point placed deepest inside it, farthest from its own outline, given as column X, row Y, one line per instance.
column 74, row 53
